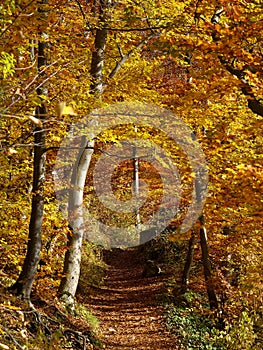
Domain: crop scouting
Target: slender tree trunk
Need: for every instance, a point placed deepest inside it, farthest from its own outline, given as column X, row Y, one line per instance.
column 188, row 261
column 207, row 266
column 97, row 62
column 23, row 285
column 71, row 271
column 136, row 186
column 204, row 247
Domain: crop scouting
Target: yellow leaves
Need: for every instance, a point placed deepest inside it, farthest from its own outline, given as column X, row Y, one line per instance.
column 231, row 170
column 10, row 307
column 7, row 64
column 241, row 166
column 60, row 108
column 172, row 238
column 63, row 109
column 175, row 236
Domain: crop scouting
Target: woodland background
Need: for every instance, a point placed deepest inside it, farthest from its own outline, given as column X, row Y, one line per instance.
column 202, row 60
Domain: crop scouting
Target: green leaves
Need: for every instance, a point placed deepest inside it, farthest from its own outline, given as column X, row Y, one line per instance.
column 194, row 329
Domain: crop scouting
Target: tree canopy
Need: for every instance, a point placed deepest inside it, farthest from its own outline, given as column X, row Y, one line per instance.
column 202, row 60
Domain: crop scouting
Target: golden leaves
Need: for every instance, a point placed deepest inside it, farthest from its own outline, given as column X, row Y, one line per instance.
column 63, row 109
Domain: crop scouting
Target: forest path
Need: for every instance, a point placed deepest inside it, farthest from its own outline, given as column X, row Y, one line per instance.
column 127, row 307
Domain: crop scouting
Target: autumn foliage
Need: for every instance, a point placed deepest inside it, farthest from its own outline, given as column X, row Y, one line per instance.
column 202, row 60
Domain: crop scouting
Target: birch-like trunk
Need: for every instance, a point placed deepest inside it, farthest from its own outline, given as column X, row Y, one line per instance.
column 71, row 272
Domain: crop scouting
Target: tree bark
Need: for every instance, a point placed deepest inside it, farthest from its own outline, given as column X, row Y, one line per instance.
column 71, row 271
column 97, row 60
column 136, row 186
column 204, row 247
column 23, row 285
column 188, row 261
column 207, row 266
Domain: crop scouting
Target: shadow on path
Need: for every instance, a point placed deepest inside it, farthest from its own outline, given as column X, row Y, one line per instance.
column 127, row 307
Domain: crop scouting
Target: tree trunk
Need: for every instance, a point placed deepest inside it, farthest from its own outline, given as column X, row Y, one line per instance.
column 188, row 261
column 204, row 247
column 72, row 260
column 69, row 282
column 97, row 61
column 71, row 271
column 23, row 285
column 136, row 185
column 207, row 266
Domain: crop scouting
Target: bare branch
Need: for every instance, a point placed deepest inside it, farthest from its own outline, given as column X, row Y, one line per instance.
column 16, row 17
column 138, row 29
column 83, row 15
column 25, row 95
column 28, row 67
column 124, row 58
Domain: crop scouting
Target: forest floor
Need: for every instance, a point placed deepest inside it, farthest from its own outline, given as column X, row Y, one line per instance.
column 128, row 305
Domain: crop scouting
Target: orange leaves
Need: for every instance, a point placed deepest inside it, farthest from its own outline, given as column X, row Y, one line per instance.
column 179, row 68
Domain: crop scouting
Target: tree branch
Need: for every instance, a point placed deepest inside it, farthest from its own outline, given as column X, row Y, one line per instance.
column 124, row 58
column 254, row 104
column 12, row 338
column 25, row 95
column 16, row 17
column 143, row 29
column 83, row 14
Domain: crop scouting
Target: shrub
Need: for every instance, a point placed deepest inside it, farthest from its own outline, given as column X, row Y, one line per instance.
column 194, row 329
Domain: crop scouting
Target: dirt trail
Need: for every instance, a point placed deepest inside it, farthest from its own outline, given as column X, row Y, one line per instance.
column 127, row 306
